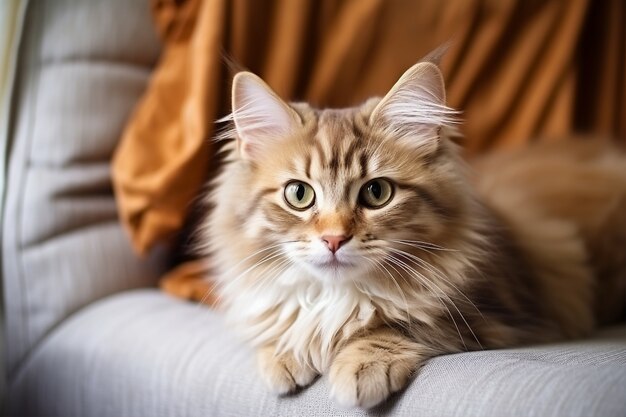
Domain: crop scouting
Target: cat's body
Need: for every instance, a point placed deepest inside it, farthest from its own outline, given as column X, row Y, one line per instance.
column 323, row 276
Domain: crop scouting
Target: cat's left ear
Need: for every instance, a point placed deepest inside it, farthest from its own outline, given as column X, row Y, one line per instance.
column 415, row 107
column 260, row 116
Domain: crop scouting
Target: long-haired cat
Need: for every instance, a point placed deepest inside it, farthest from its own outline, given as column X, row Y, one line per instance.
column 355, row 243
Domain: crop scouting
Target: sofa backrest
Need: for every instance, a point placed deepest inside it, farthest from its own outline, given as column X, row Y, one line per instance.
column 82, row 66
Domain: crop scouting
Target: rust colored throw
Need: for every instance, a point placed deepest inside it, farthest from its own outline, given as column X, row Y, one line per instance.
column 516, row 69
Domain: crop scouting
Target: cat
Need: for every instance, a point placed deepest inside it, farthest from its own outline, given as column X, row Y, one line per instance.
column 358, row 243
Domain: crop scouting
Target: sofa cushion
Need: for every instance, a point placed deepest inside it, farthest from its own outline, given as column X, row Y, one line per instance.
column 82, row 67
column 142, row 353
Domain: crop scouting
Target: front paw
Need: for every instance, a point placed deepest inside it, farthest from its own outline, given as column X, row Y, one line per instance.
column 366, row 373
column 282, row 373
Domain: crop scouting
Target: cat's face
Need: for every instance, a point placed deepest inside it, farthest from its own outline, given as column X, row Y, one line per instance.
column 342, row 191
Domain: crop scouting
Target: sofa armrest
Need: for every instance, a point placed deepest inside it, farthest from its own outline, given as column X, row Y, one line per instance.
column 81, row 68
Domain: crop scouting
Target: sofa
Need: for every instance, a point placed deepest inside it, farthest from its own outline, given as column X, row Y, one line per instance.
column 87, row 333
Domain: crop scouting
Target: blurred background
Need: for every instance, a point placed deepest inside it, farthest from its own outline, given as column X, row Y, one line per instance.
column 519, row 71
column 11, row 14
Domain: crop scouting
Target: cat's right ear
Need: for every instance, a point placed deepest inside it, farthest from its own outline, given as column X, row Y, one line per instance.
column 415, row 107
column 260, row 116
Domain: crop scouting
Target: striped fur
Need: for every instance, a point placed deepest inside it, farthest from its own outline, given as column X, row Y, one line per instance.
column 446, row 266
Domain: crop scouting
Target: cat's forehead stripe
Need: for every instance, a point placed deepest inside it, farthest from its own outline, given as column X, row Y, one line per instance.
column 363, row 164
column 307, row 165
column 340, row 136
column 332, row 136
column 350, row 152
column 321, row 154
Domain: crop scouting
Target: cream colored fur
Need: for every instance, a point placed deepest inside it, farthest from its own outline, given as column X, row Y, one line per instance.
column 451, row 263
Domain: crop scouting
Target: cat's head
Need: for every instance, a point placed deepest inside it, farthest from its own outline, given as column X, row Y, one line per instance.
column 342, row 191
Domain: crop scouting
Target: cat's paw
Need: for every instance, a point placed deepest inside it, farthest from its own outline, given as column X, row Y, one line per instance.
column 364, row 375
column 282, row 373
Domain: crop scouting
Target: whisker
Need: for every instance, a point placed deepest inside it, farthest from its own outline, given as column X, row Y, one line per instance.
column 448, row 297
column 406, row 304
column 274, row 254
column 277, row 270
column 210, row 292
column 438, row 273
column 257, row 253
column 421, row 245
column 427, row 283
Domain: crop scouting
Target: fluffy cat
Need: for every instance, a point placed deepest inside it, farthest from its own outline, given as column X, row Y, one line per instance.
column 355, row 242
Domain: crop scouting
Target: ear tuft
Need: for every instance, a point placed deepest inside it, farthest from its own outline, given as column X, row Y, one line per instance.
column 259, row 115
column 415, row 107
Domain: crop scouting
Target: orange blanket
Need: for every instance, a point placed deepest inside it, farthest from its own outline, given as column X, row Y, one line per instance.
column 517, row 69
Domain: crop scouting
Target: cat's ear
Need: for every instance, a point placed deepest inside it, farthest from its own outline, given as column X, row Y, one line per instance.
column 260, row 116
column 415, row 107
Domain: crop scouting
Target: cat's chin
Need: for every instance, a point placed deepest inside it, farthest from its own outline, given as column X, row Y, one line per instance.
column 335, row 270
column 332, row 265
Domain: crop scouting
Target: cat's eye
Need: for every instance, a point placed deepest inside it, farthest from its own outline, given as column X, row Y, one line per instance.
column 376, row 193
column 299, row 195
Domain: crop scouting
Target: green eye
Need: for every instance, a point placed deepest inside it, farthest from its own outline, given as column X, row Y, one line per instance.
column 299, row 195
column 376, row 193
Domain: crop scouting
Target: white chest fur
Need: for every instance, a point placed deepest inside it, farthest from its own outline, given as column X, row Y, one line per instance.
column 299, row 314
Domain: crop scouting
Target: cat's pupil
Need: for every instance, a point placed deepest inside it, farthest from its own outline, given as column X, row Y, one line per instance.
column 300, row 192
column 376, row 190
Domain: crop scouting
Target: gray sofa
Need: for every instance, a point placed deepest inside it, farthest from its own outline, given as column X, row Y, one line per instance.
column 87, row 334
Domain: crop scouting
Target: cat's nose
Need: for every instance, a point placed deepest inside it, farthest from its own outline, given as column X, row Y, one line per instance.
column 335, row 242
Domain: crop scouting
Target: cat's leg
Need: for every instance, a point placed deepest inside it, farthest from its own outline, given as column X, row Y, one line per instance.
column 371, row 367
column 282, row 373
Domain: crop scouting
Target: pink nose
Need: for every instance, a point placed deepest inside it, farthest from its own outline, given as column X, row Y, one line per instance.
column 335, row 242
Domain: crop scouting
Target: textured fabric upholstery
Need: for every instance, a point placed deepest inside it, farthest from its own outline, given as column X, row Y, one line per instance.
column 82, row 67
column 143, row 353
